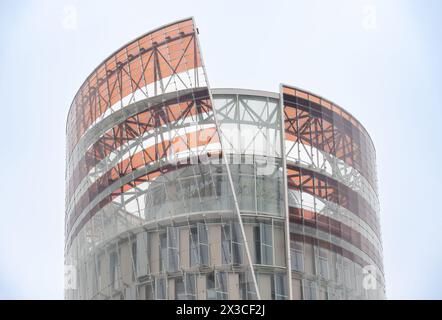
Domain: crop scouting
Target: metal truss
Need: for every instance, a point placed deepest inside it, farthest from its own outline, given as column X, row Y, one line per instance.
column 140, row 132
column 237, row 209
column 140, row 72
column 153, row 64
column 310, row 124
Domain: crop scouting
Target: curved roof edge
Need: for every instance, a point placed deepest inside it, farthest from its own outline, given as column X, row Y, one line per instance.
column 118, row 50
column 335, row 104
column 275, row 95
column 247, row 92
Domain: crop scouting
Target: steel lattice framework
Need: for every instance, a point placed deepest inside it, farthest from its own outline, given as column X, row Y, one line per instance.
column 175, row 190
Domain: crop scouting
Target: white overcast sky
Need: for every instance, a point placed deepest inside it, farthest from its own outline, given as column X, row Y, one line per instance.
column 381, row 60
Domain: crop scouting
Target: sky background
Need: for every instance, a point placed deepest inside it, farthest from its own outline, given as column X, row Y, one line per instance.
column 381, row 60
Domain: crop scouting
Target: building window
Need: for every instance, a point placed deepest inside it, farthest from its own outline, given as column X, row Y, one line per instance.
column 246, row 287
column 210, row 286
column 160, row 288
column 339, row 269
column 359, row 279
column 91, row 276
column 99, row 273
column 140, row 254
column 190, row 284
column 185, row 287
column 231, row 244
column 169, row 251
column 323, row 263
column 199, row 245
column 172, row 249
column 216, row 285
column 163, row 251
column 134, row 260
column 297, row 256
column 349, row 276
column 263, row 240
column 180, row 291
column 309, row 290
column 226, row 242
column 148, row 291
column 113, row 269
column 221, row 281
column 154, row 199
column 278, row 287
column 194, row 255
column 323, row 292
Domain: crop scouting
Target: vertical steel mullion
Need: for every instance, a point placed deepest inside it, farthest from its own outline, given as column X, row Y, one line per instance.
column 96, row 273
column 273, row 242
column 238, row 111
column 134, row 267
column 120, row 274
column 228, row 171
column 286, row 202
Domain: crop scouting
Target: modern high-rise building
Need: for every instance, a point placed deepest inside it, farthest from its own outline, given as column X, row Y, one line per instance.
column 175, row 190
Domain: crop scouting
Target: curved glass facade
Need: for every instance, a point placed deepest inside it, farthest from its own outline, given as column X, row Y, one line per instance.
column 179, row 191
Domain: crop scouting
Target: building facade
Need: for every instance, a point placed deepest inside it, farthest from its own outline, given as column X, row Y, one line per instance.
column 175, row 190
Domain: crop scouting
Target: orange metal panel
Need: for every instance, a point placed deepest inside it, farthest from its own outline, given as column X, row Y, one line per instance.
column 174, row 50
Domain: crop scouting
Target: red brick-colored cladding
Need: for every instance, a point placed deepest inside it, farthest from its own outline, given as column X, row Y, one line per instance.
column 336, row 228
column 157, row 55
column 324, row 103
column 314, row 121
column 329, row 189
column 127, row 187
column 141, row 159
column 168, row 112
column 330, row 246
